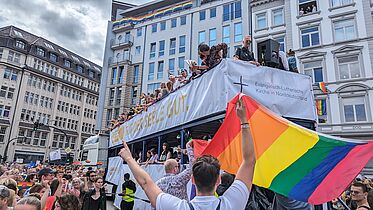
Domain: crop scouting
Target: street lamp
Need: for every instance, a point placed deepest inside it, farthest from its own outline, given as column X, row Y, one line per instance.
column 5, row 156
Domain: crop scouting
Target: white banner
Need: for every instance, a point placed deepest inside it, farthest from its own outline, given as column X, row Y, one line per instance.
column 286, row 93
column 114, row 170
column 55, row 155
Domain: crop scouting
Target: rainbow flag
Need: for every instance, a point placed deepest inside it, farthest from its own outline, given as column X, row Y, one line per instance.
column 322, row 87
column 321, row 107
column 24, row 185
column 291, row 160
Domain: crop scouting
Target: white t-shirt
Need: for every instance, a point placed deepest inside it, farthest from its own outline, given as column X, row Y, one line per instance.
column 234, row 198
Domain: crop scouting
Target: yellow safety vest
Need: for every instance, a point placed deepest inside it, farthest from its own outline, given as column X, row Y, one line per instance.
column 129, row 197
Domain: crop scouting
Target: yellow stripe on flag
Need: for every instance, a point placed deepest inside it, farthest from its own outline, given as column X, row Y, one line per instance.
column 231, row 158
column 289, row 147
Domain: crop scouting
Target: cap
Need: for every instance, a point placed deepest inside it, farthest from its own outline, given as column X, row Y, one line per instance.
column 46, row 171
column 4, row 192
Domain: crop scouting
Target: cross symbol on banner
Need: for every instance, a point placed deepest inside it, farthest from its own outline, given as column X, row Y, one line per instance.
column 240, row 83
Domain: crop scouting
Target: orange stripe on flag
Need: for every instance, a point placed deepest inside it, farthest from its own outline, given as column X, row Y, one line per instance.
column 231, row 158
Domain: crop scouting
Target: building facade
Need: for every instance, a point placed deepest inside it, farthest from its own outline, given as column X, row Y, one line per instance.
column 43, row 82
column 149, row 42
column 333, row 44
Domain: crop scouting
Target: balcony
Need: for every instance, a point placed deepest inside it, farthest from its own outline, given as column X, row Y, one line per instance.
column 119, row 60
column 119, row 44
column 123, row 27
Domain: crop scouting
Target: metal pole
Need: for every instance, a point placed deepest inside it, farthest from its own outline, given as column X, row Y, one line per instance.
column 343, row 203
column 5, row 154
column 143, row 151
column 182, row 133
column 159, row 145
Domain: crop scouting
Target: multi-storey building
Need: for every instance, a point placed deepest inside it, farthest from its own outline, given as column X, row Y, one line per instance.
column 333, row 44
column 43, row 82
column 148, row 42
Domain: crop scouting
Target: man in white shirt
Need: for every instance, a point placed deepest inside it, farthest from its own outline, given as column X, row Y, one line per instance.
column 205, row 175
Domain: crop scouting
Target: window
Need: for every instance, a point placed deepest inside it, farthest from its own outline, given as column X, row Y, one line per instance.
column 2, row 133
column 183, row 20
column 310, row 36
column 7, row 92
column 161, row 48
column 138, row 50
column 201, row 37
column 172, row 46
column 40, row 51
column 134, row 95
column 160, row 70
column 237, row 32
column 261, row 21
column 171, row 65
column 119, row 96
column 151, row 71
column 67, row 63
column 232, row 11
column 163, row 25
column 121, row 75
column 1, row 52
column 344, row 30
column 314, row 70
column 181, row 62
column 354, row 109
column 111, row 97
column 152, row 50
column 212, row 35
column 213, row 12
column 278, row 17
column 10, row 74
column 173, row 22
column 20, row 44
column 226, row 33
column 4, row 111
column 154, row 28
column 79, row 68
column 307, row 6
column 136, row 74
column 202, row 15
column 182, row 44
column 338, row 3
column 152, row 87
column 53, row 57
column 139, row 32
column 349, row 67
column 114, row 76
column 281, row 41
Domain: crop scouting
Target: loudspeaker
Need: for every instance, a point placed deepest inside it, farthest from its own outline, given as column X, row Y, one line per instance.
column 268, row 53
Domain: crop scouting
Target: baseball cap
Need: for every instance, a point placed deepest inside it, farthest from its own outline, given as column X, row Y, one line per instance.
column 4, row 192
column 46, row 171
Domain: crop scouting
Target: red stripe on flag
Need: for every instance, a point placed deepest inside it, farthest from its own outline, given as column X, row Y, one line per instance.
column 340, row 177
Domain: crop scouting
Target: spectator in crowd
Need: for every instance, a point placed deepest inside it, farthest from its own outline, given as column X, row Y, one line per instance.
column 166, row 153
column 292, row 62
column 169, row 86
column 4, row 197
column 301, row 11
column 175, row 82
column 76, row 187
column 217, row 53
column 46, row 175
column 314, row 8
column 205, row 175
column 226, row 181
column 243, row 53
column 67, row 202
column 164, row 89
column 49, row 196
column 91, row 176
column 175, row 182
column 38, row 189
column 28, row 203
column 95, row 199
column 128, row 191
column 359, row 194
column 179, row 153
column 11, row 184
column 154, row 156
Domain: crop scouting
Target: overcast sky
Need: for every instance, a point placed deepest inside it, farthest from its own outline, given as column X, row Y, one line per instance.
column 77, row 25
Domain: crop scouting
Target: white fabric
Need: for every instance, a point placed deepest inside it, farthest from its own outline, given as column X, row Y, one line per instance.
column 285, row 93
column 55, row 155
column 284, row 60
column 114, row 170
column 234, row 198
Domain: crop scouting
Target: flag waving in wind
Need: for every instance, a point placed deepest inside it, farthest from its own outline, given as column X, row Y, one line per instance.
column 291, row 160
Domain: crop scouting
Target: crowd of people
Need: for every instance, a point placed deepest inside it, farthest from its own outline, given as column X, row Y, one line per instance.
column 51, row 188
column 210, row 57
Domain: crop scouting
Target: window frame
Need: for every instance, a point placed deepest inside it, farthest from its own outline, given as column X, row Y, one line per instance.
column 353, row 20
column 264, row 14
column 344, row 104
column 310, row 36
column 282, row 16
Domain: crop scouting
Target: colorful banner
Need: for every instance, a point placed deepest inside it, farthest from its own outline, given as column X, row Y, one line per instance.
column 286, row 93
column 158, row 14
column 321, row 107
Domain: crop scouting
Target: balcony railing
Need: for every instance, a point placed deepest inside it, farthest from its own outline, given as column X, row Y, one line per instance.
column 127, row 41
column 122, row 27
column 123, row 59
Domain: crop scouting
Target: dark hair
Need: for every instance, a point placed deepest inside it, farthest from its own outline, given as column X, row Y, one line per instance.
column 203, row 47
column 363, row 186
column 30, row 177
column 54, row 186
column 206, row 172
column 227, row 179
column 68, row 202
column 126, row 176
column 99, row 177
column 36, row 188
column 89, row 173
column 167, row 146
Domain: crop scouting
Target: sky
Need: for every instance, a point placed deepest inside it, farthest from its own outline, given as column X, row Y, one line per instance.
column 77, row 25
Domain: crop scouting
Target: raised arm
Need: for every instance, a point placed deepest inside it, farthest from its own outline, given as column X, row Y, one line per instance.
column 142, row 178
column 246, row 171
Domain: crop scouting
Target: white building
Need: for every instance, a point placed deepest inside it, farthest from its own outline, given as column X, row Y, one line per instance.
column 159, row 44
column 333, row 44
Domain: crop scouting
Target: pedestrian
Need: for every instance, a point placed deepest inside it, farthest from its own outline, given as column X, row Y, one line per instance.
column 67, row 202
column 28, row 203
column 205, row 175
column 4, row 198
column 95, row 199
column 128, row 191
